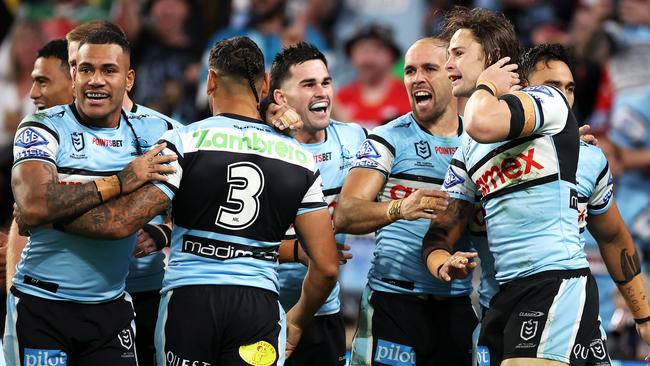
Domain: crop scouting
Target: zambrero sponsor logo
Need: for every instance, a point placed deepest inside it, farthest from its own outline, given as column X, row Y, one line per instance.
column 222, row 139
column 260, row 353
column 518, row 165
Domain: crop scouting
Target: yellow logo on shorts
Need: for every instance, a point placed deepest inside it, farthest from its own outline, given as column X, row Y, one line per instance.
column 258, row 354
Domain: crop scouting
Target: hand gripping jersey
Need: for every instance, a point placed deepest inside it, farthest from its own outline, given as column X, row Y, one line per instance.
column 527, row 187
column 410, row 158
column 146, row 273
column 237, row 188
column 333, row 157
column 595, row 189
column 61, row 266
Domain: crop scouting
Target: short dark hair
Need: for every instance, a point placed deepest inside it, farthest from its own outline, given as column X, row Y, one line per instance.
column 292, row 55
column 57, row 48
column 238, row 58
column 546, row 53
column 492, row 30
column 84, row 29
column 105, row 36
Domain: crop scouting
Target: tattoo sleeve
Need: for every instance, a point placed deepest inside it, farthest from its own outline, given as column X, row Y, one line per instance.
column 65, row 201
column 121, row 217
column 447, row 227
column 630, row 266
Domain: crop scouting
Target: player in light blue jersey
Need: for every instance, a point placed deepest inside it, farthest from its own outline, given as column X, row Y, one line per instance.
column 223, row 259
column 68, row 160
column 406, row 316
column 300, row 78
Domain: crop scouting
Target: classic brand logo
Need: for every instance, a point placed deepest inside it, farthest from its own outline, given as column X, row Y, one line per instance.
column 78, row 140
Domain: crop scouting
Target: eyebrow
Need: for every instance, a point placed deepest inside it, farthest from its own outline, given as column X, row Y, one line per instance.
column 102, row 65
column 313, row 80
column 570, row 83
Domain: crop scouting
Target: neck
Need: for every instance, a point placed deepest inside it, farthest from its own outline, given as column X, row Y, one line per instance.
column 446, row 124
column 236, row 104
column 127, row 103
column 306, row 136
column 462, row 101
column 110, row 121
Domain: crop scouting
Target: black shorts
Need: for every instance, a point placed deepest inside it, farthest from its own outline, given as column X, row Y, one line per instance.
column 321, row 344
column 396, row 329
column 49, row 332
column 146, row 312
column 551, row 315
column 219, row 325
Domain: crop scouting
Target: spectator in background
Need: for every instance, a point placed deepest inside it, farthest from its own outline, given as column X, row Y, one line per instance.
column 166, row 54
column 376, row 96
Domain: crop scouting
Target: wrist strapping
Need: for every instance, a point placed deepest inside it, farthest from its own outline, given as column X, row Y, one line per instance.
column 160, row 234
column 488, row 86
column 108, row 188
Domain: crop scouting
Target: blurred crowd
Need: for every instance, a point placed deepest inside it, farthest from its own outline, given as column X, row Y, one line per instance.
column 364, row 41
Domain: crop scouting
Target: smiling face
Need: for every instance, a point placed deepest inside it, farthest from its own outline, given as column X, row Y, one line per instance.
column 101, row 77
column 51, row 83
column 465, row 63
column 309, row 91
column 426, row 81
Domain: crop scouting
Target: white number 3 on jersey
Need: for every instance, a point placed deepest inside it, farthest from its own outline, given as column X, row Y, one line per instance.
column 245, row 184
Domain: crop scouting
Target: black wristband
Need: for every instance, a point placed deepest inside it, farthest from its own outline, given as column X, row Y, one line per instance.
column 486, row 88
column 642, row 320
column 160, row 234
column 295, row 251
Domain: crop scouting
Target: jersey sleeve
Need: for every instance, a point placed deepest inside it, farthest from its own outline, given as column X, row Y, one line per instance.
column 458, row 184
column 36, row 139
column 601, row 198
column 174, row 146
column 629, row 128
column 538, row 109
column 313, row 199
column 377, row 153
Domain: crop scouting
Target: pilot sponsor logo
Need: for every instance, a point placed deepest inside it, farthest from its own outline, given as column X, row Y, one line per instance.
column 260, row 353
column 368, row 150
column 262, row 144
column 106, row 142
column 394, row 354
column 45, row 357
column 512, row 169
column 29, row 137
column 483, row 356
column 175, row 360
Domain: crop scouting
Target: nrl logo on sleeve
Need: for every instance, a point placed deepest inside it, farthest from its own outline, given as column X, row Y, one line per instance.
column 422, row 149
column 452, row 179
column 368, row 150
column 30, row 138
column 78, row 140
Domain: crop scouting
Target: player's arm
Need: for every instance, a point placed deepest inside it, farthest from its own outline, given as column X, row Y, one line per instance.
column 42, row 200
column 315, row 232
column 440, row 239
column 622, row 261
column 15, row 245
column 357, row 212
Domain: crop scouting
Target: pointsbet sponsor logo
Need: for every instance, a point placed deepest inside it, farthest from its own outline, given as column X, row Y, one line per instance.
column 45, row 357
column 394, row 354
column 254, row 142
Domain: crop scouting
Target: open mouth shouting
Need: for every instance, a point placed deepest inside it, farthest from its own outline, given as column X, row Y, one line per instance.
column 422, row 97
column 319, row 108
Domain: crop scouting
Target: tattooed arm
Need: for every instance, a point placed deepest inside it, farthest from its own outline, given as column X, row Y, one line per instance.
column 42, row 200
column 121, row 217
column 439, row 241
column 622, row 261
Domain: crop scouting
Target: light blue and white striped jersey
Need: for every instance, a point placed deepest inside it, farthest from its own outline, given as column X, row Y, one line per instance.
column 237, row 188
column 333, row 157
column 62, row 266
column 527, row 187
column 410, row 158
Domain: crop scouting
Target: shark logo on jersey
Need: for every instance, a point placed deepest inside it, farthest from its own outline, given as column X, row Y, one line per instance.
column 30, row 138
column 78, row 140
column 452, row 179
column 422, row 149
column 368, row 150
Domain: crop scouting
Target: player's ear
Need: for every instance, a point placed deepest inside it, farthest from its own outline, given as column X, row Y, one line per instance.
column 264, row 91
column 211, row 86
column 130, row 80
